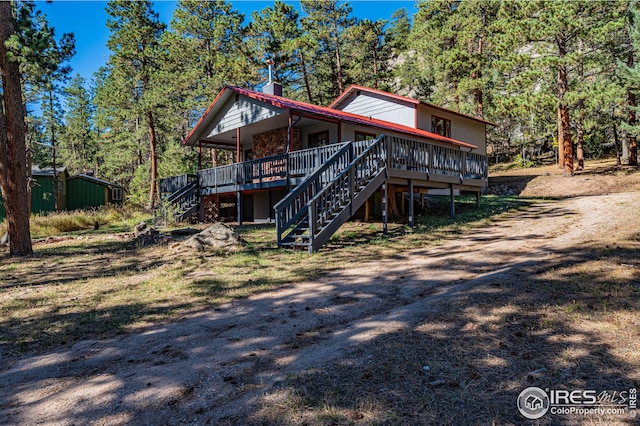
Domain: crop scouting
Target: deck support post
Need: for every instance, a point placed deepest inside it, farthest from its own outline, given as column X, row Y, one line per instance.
column 411, row 208
column 452, row 201
column 384, row 208
column 238, row 147
column 200, row 207
column 239, row 203
column 478, row 200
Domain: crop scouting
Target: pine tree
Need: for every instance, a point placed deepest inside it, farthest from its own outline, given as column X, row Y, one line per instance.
column 629, row 71
column 78, row 146
column 396, row 34
column 455, row 49
column 206, row 50
column 133, row 67
column 275, row 34
column 13, row 167
column 367, row 54
column 548, row 40
column 325, row 22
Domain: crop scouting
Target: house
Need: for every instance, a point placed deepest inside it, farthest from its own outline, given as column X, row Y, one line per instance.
column 75, row 192
column 84, row 191
column 309, row 168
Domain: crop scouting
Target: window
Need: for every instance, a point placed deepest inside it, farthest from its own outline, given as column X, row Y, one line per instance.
column 363, row 136
column 116, row 194
column 441, row 126
column 318, row 139
column 61, row 187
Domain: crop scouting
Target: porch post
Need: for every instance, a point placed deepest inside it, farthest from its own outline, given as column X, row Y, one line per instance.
column 238, row 149
column 339, row 131
column 239, row 203
column 452, row 201
column 199, row 190
column 289, row 133
column 384, row 207
column 411, row 209
column 478, row 199
column 239, row 176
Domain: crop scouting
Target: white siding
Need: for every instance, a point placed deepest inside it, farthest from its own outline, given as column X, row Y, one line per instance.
column 462, row 129
column 381, row 108
column 235, row 114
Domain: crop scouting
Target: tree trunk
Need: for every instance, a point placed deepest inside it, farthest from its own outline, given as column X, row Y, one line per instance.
column 456, row 97
column 580, row 136
column 616, row 142
column 338, row 63
column 564, row 130
column 375, row 68
column 477, row 92
column 153, row 193
column 305, row 76
column 13, row 153
column 56, row 194
column 580, row 144
column 560, row 142
column 567, row 148
column 633, row 144
column 393, row 206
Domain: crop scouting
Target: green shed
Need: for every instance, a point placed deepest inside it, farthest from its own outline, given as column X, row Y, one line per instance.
column 84, row 191
column 42, row 196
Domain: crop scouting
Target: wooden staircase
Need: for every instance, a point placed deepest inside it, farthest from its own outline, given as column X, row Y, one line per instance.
column 180, row 205
column 310, row 214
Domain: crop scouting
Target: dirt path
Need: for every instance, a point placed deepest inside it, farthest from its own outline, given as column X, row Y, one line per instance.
column 216, row 365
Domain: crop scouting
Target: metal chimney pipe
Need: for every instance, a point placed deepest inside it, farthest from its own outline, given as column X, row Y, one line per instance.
column 271, row 64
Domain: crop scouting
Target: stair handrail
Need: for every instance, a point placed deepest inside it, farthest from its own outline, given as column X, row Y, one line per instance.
column 181, row 192
column 351, row 174
column 297, row 210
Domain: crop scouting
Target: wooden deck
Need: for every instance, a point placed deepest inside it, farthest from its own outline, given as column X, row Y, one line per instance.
column 327, row 185
column 426, row 164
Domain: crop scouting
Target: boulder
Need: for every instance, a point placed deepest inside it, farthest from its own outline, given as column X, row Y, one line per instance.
column 217, row 237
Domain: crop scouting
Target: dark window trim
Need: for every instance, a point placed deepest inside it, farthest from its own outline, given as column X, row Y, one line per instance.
column 315, row 134
column 116, row 194
column 365, row 134
column 446, row 129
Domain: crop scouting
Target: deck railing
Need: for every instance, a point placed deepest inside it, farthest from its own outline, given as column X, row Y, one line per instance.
column 293, row 206
column 432, row 159
column 401, row 154
column 302, row 162
column 173, row 184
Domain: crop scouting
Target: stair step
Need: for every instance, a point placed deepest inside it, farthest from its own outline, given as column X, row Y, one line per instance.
column 294, row 244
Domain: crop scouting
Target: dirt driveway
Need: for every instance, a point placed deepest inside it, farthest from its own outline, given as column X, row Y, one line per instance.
column 227, row 364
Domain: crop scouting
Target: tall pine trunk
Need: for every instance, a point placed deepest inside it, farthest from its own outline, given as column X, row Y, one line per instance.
column 153, row 192
column 633, row 144
column 560, row 143
column 580, row 136
column 338, row 62
column 476, row 75
column 305, row 76
column 563, row 112
column 13, row 153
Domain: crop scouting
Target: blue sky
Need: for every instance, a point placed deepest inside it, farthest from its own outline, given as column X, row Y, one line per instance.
column 87, row 20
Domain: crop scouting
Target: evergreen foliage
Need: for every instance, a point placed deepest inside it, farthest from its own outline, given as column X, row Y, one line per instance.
column 554, row 76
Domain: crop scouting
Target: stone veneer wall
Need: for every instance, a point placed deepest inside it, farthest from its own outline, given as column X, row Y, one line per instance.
column 274, row 142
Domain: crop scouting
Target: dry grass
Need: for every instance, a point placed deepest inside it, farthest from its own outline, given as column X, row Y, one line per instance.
column 570, row 325
column 108, row 218
column 93, row 285
column 572, row 322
